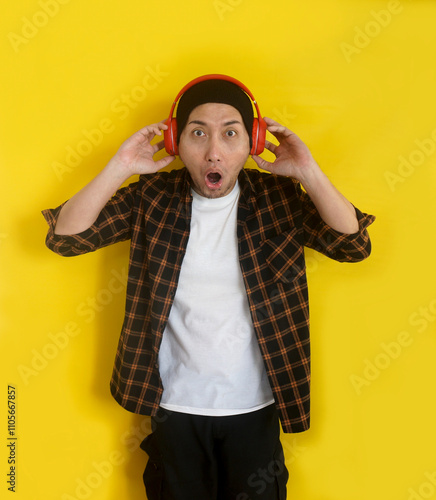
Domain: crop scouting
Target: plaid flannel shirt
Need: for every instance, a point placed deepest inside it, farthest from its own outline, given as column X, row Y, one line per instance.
column 276, row 219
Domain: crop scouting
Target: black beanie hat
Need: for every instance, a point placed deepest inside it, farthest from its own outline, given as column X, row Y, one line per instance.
column 220, row 91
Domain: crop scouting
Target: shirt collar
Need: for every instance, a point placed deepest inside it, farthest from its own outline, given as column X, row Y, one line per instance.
column 247, row 189
column 186, row 196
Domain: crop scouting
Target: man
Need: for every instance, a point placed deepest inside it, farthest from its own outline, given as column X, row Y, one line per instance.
column 215, row 341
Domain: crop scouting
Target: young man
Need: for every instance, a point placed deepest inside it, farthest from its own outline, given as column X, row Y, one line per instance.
column 215, row 341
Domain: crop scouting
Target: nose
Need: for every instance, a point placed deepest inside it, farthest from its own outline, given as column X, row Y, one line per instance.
column 213, row 151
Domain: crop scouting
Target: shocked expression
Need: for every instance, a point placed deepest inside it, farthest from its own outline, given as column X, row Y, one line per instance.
column 214, row 146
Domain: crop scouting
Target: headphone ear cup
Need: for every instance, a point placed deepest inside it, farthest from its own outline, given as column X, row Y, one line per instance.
column 170, row 137
column 258, row 136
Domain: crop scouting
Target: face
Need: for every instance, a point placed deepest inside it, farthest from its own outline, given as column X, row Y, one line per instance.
column 214, row 146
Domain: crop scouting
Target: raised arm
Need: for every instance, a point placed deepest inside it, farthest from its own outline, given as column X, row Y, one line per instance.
column 294, row 159
column 135, row 156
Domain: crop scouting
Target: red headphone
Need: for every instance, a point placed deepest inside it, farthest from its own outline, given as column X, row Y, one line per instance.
column 259, row 125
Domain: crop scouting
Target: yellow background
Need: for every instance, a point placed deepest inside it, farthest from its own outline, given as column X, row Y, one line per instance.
column 356, row 81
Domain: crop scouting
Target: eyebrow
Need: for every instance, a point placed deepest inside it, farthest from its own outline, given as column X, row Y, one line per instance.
column 199, row 122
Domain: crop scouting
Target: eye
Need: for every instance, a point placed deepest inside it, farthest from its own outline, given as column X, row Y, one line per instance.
column 231, row 133
column 198, row 133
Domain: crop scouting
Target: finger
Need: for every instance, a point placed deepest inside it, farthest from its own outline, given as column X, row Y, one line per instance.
column 263, row 164
column 158, row 127
column 276, row 128
column 158, row 146
column 153, row 129
column 279, row 129
column 270, row 146
column 162, row 125
column 163, row 162
column 272, row 125
column 270, row 121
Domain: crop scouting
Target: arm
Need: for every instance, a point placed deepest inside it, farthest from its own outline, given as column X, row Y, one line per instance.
column 294, row 159
column 135, row 156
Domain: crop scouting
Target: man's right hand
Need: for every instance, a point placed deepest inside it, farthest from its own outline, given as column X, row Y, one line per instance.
column 135, row 155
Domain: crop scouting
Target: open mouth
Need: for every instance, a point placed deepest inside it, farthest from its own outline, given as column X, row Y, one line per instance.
column 213, row 180
column 213, row 177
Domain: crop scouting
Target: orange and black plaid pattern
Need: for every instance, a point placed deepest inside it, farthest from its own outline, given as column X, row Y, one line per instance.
column 276, row 219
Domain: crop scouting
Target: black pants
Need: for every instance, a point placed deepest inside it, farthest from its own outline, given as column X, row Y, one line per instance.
column 195, row 457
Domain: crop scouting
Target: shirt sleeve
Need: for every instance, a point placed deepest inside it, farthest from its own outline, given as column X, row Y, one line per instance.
column 111, row 226
column 339, row 246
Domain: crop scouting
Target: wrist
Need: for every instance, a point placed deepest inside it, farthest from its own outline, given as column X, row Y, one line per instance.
column 310, row 175
column 118, row 170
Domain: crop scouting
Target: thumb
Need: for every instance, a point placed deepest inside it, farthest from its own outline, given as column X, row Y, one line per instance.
column 261, row 163
column 164, row 162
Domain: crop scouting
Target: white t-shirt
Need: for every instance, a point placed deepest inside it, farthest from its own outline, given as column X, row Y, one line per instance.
column 209, row 359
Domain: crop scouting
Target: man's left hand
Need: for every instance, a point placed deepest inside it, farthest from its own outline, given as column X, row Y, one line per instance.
column 293, row 157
